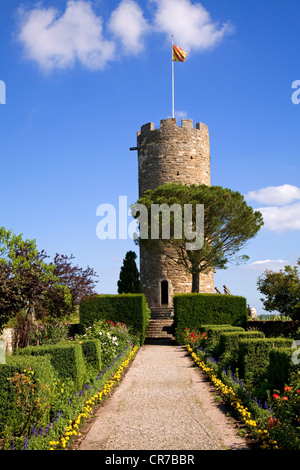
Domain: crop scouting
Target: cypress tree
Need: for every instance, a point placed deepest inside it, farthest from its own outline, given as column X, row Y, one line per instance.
column 129, row 280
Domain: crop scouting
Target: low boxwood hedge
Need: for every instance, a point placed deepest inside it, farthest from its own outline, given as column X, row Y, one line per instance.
column 281, row 369
column 253, row 357
column 66, row 358
column 92, row 354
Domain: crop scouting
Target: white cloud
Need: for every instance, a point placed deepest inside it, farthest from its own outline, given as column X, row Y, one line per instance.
column 272, row 264
column 190, row 24
column 57, row 40
column 128, row 24
column 281, row 219
column 277, row 195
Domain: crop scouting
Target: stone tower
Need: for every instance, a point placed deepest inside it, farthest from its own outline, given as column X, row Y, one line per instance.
column 171, row 154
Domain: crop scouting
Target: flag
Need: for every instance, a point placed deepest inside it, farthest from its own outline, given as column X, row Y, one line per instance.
column 178, row 54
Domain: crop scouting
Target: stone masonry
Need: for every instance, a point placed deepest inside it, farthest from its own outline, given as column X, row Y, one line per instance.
column 171, row 154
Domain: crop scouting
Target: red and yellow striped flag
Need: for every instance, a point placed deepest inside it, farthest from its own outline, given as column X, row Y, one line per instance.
column 178, row 54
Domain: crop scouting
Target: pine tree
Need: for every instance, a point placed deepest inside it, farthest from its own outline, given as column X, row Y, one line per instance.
column 129, row 281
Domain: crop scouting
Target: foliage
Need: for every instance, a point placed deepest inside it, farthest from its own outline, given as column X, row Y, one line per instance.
column 194, row 310
column 228, row 225
column 275, row 420
column 285, row 423
column 247, row 411
column 229, row 345
column 48, row 333
column 113, row 338
column 66, row 358
column 253, row 359
column 197, row 340
column 24, row 275
column 25, row 399
column 282, row 291
column 129, row 280
column 64, row 404
column 130, row 309
column 30, row 284
column 282, row 369
column 77, row 281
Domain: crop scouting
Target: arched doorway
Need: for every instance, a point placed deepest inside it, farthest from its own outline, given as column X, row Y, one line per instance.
column 164, row 293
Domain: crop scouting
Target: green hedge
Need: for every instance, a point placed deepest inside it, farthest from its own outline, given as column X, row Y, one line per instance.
column 43, row 372
column 281, row 369
column 92, row 354
column 229, row 341
column 194, row 310
column 130, row 309
column 228, row 347
column 66, row 358
column 253, row 357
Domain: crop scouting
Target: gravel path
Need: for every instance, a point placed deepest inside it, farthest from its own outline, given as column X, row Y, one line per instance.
column 163, row 403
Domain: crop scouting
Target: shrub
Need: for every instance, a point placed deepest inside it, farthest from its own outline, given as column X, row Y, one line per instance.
column 284, row 424
column 253, row 357
column 213, row 336
column 281, row 370
column 130, row 309
column 229, row 345
column 66, row 358
column 25, row 396
column 49, row 333
column 194, row 310
column 113, row 339
column 92, row 354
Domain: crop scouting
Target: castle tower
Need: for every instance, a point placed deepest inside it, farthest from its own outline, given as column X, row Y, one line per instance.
column 171, row 154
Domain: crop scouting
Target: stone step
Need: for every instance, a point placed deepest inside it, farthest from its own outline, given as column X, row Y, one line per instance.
column 160, row 328
column 161, row 312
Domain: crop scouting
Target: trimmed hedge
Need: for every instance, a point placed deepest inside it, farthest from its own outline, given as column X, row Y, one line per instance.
column 130, row 309
column 66, row 358
column 229, row 341
column 213, row 331
column 281, row 368
column 43, row 372
column 253, row 357
column 194, row 310
column 92, row 354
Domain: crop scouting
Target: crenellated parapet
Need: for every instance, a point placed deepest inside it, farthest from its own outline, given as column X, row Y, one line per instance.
column 173, row 154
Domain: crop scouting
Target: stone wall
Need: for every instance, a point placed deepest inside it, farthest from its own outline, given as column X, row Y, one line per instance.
column 171, row 154
column 9, row 337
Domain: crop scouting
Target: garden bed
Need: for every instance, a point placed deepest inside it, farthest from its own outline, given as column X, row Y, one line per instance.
column 271, row 416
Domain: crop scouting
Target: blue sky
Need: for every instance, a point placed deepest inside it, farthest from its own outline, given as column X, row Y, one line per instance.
column 81, row 79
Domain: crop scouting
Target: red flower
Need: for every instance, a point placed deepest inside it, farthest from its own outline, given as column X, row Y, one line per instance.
column 275, row 395
column 285, row 398
column 272, row 422
column 287, row 389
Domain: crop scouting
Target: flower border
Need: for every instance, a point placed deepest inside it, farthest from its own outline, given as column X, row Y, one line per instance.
column 266, row 442
column 74, row 425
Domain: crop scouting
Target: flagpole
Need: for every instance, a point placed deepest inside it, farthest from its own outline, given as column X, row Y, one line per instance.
column 173, row 109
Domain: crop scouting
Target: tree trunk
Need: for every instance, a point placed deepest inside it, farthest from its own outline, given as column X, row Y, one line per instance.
column 195, row 282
